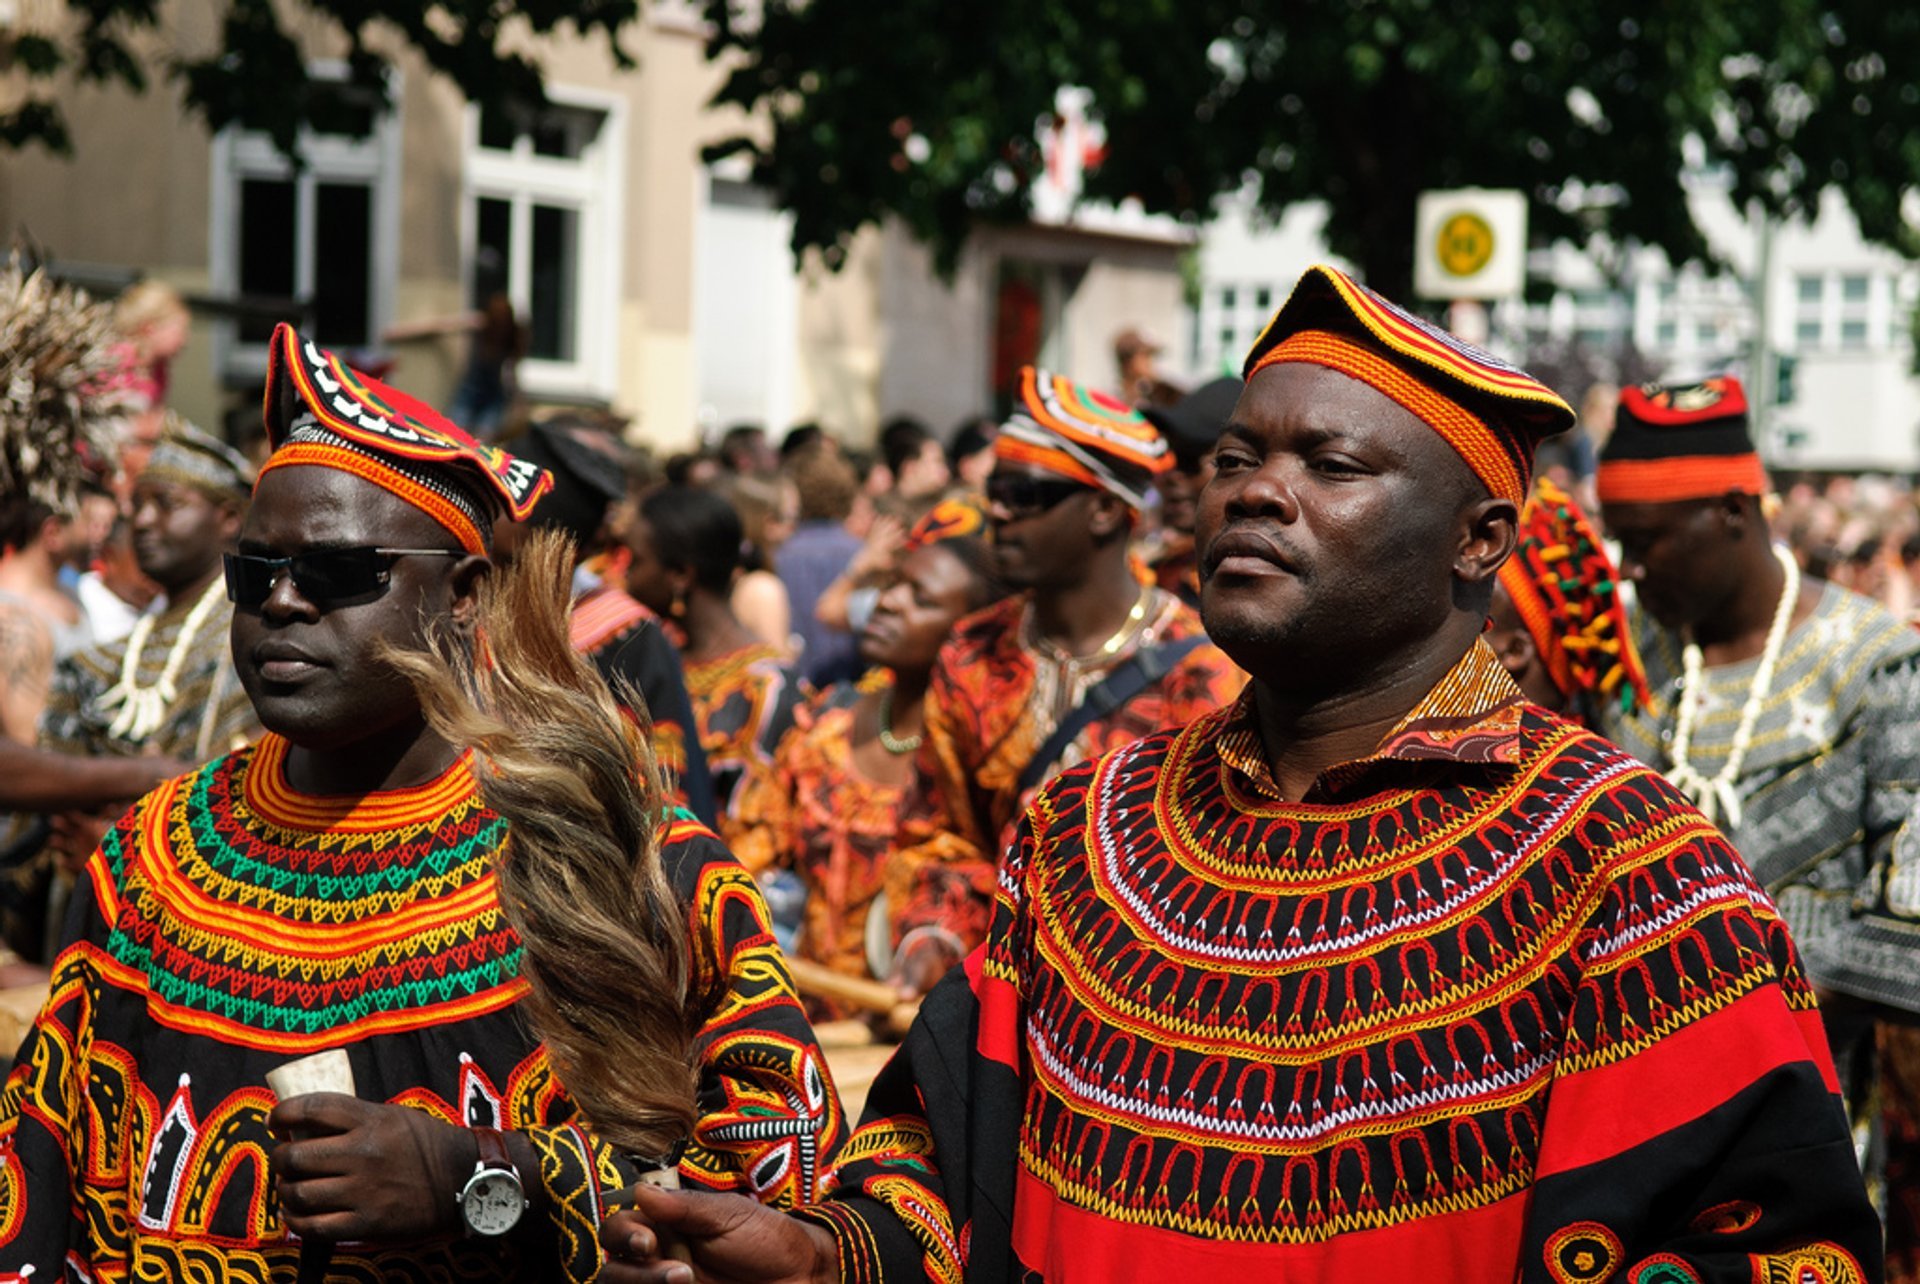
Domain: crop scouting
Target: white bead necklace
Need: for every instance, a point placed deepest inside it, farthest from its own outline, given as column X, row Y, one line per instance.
column 1716, row 795
column 143, row 709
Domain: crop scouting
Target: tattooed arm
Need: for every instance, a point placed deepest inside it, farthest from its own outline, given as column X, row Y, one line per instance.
column 26, row 670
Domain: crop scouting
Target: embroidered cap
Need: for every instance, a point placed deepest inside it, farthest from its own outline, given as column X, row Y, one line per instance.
column 319, row 412
column 186, row 456
column 960, row 517
column 1493, row 414
column 1086, row 436
column 1685, row 441
column 1566, row 591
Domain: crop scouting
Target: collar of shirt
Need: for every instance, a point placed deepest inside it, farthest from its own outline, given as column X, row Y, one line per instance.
column 1471, row 716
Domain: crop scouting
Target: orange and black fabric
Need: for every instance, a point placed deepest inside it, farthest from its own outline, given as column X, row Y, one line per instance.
column 1566, row 591
column 1493, row 414
column 1680, row 442
column 321, row 413
column 1086, row 436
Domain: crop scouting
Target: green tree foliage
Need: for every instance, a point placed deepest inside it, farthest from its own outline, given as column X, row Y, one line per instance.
column 926, row 110
column 258, row 77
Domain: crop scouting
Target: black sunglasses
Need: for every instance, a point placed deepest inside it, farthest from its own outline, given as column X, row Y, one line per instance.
column 326, row 577
column 1024, row 496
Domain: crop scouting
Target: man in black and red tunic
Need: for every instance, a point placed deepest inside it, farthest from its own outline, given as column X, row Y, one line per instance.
column 1379, row 973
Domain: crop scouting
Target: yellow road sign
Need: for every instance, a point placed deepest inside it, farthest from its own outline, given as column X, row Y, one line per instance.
column 1465, row 244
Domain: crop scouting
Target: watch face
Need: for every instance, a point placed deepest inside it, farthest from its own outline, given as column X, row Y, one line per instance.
column 492, row 1202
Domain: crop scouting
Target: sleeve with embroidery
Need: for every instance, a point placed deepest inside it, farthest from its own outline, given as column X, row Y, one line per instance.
column 58, row 1178
column 1694, row 1132
column 770, row 1121
column 925, row 1184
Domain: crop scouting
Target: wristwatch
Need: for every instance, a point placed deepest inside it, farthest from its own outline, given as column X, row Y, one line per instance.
column 492, row 1200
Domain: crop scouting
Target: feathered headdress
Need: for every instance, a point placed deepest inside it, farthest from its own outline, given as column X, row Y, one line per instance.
column 57, row 413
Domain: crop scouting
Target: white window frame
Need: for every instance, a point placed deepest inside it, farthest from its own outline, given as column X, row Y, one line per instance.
column 594, row 186
column 238, row 155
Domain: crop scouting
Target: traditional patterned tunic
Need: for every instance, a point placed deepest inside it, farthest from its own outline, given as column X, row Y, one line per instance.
column 208, row 715
column 1833, row 771
column 811, row 811
column 996, row 697
column 1492, row 1004
column 624, row 641
column 743, row 703
column 228, row 925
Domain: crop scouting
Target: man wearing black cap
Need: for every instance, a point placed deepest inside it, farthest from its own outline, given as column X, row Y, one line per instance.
column 1787, row 708
column 1379, row 974
column 332, row 889
column 620, row 636
column 1191, row 426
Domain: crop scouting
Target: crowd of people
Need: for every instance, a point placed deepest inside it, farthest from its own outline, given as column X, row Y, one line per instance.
column 1304, row 840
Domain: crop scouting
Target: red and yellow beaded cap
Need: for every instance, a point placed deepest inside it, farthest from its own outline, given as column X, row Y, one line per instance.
column 1566, row 591
column 1086, row 436
column 321, row 413
column 1491, row 413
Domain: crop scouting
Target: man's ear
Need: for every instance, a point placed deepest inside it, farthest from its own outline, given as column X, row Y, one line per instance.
column 1489, row 528
column 1738, row 511
column 232, row 518
column 464, row 585
column 1111, row 515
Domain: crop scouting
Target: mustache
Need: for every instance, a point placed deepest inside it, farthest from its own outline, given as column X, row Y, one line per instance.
column 1247, row 539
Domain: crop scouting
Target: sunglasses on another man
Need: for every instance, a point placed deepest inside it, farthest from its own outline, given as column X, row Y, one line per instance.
column 325, row 577
column 1024, row 496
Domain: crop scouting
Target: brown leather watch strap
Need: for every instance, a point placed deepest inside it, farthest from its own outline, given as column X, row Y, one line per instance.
column 493, row 1149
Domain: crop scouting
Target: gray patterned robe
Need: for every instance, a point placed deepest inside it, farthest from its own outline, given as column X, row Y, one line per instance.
column 1828, row 783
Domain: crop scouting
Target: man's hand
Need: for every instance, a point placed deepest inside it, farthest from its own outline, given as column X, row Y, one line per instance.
column 74, row 838
column 356, row 1170
column 733, row 1240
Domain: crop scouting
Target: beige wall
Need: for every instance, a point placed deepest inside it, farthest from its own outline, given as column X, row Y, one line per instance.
column 883, row 336
column 136, row 193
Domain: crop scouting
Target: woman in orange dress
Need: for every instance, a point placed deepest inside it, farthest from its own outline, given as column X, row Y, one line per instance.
column 685, row 547
column 828, row 807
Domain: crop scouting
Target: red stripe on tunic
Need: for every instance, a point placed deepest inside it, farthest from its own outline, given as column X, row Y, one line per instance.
column 1069, row 1245
column 999, row 1038
column 1597, row 1114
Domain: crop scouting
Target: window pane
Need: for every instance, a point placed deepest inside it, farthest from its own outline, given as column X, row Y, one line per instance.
column 497, row 130
column 266, row 253
column 1810, row 289
column 1228, row 298
column 556, row 274
column 343, row 263
column 1807, row 333
column 1853, row 289
column 1263, row 298
column 493, row 224
column 565, row 132
column 1666, row 333
column 1853, row 334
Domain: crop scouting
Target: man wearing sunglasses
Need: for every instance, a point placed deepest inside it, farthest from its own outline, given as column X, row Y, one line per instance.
column 331, row 888
column 1086, row 659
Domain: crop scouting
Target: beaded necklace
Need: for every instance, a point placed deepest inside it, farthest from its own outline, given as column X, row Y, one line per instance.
column 1715, row 795
column 143, row 709
column 896, row 745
